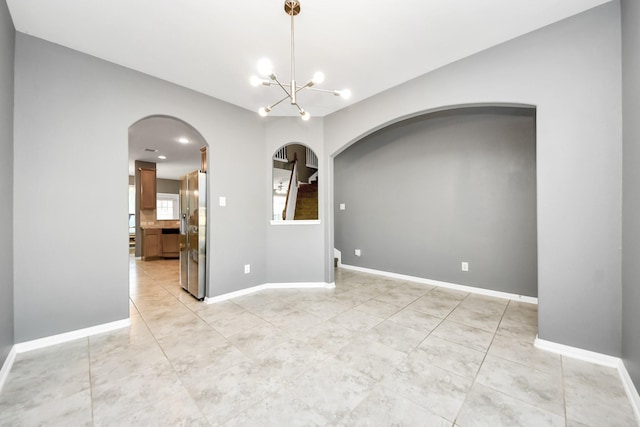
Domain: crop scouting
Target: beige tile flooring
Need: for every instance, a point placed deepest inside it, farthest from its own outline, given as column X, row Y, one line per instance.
column 372, row 352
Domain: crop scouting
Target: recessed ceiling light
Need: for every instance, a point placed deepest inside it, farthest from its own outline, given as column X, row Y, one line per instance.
column 162, row 157
column 183, row 140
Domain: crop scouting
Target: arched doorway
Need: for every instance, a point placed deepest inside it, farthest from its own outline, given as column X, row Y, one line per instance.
column 454, row 199
column 163, row 150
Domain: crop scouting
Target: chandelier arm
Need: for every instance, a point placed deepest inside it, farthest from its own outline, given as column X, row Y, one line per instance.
column 275, row 83
column 273, row 105
column 299, row 88
column 322, row 90
column 299, row 108
column 283, row 88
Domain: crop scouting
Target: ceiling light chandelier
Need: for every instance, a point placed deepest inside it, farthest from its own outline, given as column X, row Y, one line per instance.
column 265, row 68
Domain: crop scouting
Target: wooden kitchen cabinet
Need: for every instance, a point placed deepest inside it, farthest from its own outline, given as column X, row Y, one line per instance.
column 151, row 243
column 147, row 188
column 170, row 245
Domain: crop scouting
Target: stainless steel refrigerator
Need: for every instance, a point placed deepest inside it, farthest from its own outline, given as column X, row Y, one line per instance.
column 193, row 233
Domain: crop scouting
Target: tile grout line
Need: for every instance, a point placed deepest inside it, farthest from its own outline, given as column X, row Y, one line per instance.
column 475, row 377
column 167, row 357
column 422, row 341
column 93, row 420
column 564, row 392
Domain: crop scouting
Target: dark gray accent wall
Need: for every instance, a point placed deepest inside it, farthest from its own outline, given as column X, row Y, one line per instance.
column 571, row 72
column 72, row 109
column 631, row 188
column 428, row 193
column 7, row 46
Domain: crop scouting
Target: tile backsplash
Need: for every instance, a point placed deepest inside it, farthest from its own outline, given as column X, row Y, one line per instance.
column 148, row 220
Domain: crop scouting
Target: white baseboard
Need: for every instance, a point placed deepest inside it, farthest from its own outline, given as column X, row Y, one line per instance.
column 56, row 339
column 630, row 388
column 577, row 353
column 454, row 286
column 242, row 292
column 70, row 336
column 296, row 222
column 598, row 359
column 6, row 366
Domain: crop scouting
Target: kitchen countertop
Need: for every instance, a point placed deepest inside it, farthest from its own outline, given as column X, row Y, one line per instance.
column 159, row 226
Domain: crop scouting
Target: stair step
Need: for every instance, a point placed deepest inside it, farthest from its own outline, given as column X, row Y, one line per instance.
column 307, row 202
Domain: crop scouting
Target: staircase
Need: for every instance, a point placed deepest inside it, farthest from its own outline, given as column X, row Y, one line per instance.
column 307, row 202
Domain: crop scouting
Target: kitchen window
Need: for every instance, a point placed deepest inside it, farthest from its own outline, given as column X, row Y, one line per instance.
column 167, row 206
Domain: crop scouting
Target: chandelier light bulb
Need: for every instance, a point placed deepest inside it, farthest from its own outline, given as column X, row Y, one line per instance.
column 255, row 81
column 305, row 115
column 265, row 67
column 345, row 93
column 264, row 111
column 318, row 78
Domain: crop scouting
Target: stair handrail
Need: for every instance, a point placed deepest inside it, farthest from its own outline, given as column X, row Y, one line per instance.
column 292, row 192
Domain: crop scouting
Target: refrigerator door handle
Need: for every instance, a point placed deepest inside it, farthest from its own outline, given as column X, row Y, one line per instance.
column 183, row 224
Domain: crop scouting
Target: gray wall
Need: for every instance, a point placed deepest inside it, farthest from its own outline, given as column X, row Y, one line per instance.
column 631, row 186
column 168, row 186
column 426, row 194
column 295, row 252
column 72, row 109
column 570, row 71
column 7, row 43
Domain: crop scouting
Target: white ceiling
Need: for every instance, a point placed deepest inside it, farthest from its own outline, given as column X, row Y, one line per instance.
column 163, row 134
column 213, row 46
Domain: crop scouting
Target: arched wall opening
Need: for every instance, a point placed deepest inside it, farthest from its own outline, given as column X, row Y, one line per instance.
column 171, row 148
column 579, row 151
column 424, row 194
column 295, row 172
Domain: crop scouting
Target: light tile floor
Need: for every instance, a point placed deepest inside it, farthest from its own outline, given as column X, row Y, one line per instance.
column 372, row 352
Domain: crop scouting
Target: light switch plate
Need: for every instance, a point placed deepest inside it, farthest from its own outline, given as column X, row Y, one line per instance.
column 223, row 201
column 343, row 206
column 247, row 268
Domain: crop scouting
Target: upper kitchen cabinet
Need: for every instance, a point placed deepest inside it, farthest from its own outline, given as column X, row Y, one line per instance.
column 147, row 188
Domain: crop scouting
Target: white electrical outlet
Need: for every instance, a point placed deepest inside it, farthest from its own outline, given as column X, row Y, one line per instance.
column 247, row 268
column 357, row 252
column 464, row 266
column 343, row 206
